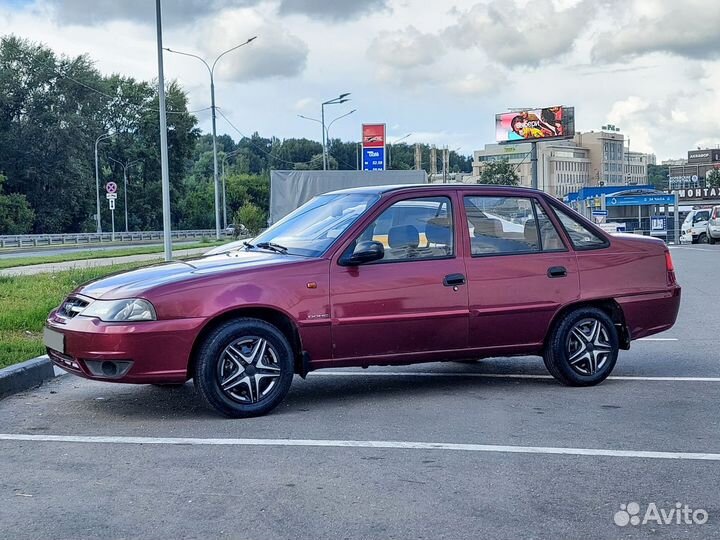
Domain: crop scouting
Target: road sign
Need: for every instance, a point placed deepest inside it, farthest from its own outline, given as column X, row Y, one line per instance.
column 373, row 135
column 373, row 159
column 111, row 187
column 639, row 200
column 112, row 204
column 111, row 196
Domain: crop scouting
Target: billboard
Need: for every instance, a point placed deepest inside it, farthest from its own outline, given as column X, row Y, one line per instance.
column 535, row 124
column 373, row 146
column 373, row 135
column 711, row 155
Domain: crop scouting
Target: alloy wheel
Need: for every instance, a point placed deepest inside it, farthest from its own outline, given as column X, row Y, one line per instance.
column 588, row 346
column 248, row 370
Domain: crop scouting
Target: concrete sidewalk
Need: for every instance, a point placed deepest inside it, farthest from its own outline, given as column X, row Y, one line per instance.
column 89, row 263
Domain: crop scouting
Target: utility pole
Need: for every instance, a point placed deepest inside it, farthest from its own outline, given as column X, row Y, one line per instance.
column 97, row 179
column 125, row 184
column 433, row 161
column 418, row 157
column 167, row 243
column 533, row 165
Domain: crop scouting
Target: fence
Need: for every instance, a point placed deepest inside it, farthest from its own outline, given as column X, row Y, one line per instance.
column 31, row 240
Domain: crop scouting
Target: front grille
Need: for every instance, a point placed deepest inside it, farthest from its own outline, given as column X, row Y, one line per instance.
column 71, row 307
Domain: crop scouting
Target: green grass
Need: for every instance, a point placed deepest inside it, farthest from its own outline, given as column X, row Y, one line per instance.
column 25, row 302
column 104, row 254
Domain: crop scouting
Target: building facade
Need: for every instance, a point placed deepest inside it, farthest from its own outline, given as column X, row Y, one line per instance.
column 595, row 158
column 692, row 173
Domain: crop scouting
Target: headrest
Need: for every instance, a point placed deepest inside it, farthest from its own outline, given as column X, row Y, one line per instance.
column 403, row 236
column 487, row 226
column 438, row 231
column 531, row 233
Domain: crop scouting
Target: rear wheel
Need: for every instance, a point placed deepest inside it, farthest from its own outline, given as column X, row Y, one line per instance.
column 711, row 240
column 244, row 368
column 702, row 239
column 583, row 348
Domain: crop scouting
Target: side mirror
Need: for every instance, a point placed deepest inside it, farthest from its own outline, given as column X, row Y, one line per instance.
column 364, row 252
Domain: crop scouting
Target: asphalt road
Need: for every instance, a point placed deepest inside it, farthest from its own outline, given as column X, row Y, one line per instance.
column 19, row 253
column 164, row 467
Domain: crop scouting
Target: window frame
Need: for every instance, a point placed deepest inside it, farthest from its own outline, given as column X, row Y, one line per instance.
column 534, row 201
column 364, row 226
column 597, row 231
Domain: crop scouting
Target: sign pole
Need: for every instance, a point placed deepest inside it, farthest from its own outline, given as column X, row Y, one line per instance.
column 112, row 220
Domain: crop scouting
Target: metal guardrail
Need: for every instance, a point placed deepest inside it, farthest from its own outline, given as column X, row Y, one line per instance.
column 32, row 240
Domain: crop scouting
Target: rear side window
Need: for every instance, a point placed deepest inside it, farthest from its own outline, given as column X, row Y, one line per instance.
column 580, row 236
column 501, row 225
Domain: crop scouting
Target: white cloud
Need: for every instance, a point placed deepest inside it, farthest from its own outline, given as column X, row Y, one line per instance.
column 520, row 34
column 687, row 28
column 406, row 48
column 275, row 53
column 335, row 10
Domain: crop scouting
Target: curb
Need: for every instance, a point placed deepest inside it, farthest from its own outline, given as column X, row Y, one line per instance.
column 26, row 375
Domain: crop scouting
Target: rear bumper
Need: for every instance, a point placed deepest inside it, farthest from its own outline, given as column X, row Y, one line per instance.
column 158, row 351
column 648, row 314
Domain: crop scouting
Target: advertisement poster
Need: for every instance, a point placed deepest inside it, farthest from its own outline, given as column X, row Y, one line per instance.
column 535, row 124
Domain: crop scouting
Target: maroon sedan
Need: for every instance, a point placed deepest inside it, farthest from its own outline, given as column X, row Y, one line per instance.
column 375, row 276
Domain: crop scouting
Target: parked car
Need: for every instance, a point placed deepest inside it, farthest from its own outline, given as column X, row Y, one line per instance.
column 375, row 276
column 694, row 227
column 713, row 226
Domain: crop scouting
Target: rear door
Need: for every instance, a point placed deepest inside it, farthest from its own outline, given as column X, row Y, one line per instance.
column 414, row 300
column 520, row 269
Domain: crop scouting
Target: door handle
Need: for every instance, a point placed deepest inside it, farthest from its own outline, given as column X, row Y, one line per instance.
column 557, row 271
column 452, row 280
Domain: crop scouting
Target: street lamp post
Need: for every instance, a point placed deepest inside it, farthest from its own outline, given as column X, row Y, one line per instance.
column 125, row 184
column 326, row 130
column 389, row 146
column 97, row 179
column 342, row 98
column 211, row 71
column 224, row 193
column 164, row 165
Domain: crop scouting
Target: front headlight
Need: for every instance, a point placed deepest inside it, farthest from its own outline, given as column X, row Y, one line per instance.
column 132, row 309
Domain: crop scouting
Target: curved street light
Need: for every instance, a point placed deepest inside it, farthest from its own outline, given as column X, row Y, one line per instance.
column 211, row 71
column 326, row 129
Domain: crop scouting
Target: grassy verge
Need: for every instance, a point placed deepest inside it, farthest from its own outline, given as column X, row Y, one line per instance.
column 25, row 302
column 103, row 254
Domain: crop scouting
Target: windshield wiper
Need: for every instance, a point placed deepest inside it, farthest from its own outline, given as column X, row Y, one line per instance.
column 272, row 247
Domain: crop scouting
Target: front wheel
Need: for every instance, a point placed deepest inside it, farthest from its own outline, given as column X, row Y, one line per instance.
column 244, row 368
column 583, row 348
column 702, row 239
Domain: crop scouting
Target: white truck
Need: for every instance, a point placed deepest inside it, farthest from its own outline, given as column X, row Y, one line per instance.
column 694, row 229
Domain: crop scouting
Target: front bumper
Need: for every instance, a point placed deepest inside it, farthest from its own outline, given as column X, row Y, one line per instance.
column 146, row 352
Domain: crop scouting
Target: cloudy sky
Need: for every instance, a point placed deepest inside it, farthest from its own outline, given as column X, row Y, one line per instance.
column 438, row 70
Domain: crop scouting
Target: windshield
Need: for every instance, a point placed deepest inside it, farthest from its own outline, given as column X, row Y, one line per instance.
column 312, row 228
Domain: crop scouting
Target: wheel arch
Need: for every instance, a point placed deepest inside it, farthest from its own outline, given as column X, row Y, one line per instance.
column 608, row 305
column 282, row 321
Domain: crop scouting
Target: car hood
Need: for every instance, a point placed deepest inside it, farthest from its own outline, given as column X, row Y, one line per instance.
column 137, row 282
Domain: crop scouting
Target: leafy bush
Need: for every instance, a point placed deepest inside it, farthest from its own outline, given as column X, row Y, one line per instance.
column 251, row 217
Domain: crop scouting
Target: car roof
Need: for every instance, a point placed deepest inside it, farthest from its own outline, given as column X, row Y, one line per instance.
column 394, row 188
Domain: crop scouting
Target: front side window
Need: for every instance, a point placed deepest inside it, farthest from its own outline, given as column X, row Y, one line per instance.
column 501, row 225
column 312, row 228
column 413, row 229
column 580, row 236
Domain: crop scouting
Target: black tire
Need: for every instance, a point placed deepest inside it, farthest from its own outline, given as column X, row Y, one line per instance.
column 702, row 239
column 243, row 398
column 711, row 240
column 566, row 342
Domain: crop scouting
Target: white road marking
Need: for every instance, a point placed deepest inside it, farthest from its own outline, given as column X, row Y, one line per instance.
column 497, row 375
column 658, row 339
column 329, row 443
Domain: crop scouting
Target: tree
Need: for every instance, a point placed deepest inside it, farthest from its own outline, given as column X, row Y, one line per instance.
column 251, row 217
column 16, row 216
column 712, row 178
column 658, row 176
column 499, row 173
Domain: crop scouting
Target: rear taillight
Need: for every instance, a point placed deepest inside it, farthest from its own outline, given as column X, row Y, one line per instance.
column 670, row 267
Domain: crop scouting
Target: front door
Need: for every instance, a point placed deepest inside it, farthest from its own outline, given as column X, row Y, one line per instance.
column 413, row 300
column 520, row 271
